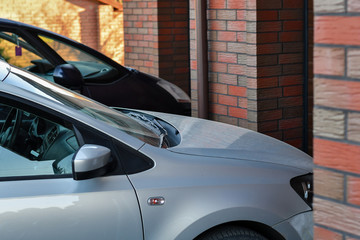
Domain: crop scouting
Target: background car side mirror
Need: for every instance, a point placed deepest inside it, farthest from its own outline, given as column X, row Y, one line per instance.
column 68, row 76
column 90, row 161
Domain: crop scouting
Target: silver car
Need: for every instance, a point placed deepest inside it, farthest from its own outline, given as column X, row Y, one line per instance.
column 71, row 168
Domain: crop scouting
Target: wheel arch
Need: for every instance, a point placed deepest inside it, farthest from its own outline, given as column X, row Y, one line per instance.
column 258, row 220
column 258, row 227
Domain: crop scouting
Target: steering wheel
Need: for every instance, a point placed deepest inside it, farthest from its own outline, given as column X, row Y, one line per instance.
column 11, row 128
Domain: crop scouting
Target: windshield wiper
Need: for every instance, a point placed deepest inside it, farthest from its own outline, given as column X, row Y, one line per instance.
column 151, row 124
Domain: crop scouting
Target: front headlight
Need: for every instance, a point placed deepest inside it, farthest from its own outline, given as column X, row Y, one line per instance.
column 303, row 185
column 174, row 90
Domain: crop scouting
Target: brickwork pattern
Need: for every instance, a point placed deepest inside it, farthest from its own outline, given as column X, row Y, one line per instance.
column 157, row 38
column 337, row 119
column 80, row 20
column 256, row 65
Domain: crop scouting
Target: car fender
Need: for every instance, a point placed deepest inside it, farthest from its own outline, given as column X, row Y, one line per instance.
column 229, row 215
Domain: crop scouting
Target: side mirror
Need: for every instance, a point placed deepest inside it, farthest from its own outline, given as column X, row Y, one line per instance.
column 90, row 161
column 68, row 76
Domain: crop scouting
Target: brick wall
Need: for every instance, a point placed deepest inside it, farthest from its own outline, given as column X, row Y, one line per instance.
column 256, row 65
column 76, row 19
column 337, row 119
column 156, row 38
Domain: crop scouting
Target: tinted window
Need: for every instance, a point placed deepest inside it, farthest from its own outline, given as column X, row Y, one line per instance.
column 32, row 145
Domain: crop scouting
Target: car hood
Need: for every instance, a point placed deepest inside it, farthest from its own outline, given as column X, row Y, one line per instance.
column 214, row 139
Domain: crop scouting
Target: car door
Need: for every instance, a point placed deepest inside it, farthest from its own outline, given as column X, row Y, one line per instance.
column 38, row 202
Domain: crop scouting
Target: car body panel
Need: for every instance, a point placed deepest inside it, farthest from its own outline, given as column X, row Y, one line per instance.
column 101, row 208
column 217, row 179
column 216, row 174
column 207, row 138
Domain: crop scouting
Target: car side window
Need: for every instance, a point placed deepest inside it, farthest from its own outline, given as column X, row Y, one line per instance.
column 31, row 145
column 16, row 51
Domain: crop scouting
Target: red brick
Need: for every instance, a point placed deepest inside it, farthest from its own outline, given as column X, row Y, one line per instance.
column 241, row 36
column 216, row 25
column 267, row 93
column 213, row 98
column 293, row 4
column 228, row 78
column 290, row 80
column 290, row 58
column 237, row 112
column 291, row 101
column 337, row 216
column 180, row 70
column 270, row 48
column 268, row 126
column 226, row 36
column 291, row 36
column 267, row 104
column 297, row 143
column 353, row 190
column 269, row 82
column 218, row 46
column 329, row 61
column 235, row 4
column 346, row 93
column 270, row 115
column 218, row 67
column 294, row 133
column 337, row 30
column 141, row 5
column 273, row 26
column 292, row 69
column 267, row 37
column 228, row 100
column 218, row 88
column 216, row 4
column 269, row 71
column 227, row 57
column 293, row 91
column 181, row 37
column 293, row 25
column 243, row 103
column 181, row 10
column 237, row 91
column 152, row 4
column 325, row 234
column 181, row 24
column 148, row 63
column 193, row 64
column 267, row 15
column 192, row 24
column 290, row 123
column 236, row 69
column 266, row 4
column 219, row 109
column 226, row 15
column 336, row 155
column 241, row 15
column 291, row 14
column 236, row 25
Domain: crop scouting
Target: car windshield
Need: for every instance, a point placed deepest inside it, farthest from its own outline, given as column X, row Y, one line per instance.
column 78, row 102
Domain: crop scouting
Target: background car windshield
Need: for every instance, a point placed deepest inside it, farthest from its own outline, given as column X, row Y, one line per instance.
column 67, row 52
column 85, row 105
column 87, row 64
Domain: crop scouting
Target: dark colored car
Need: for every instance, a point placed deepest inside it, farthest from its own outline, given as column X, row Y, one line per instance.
column 78, row 67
